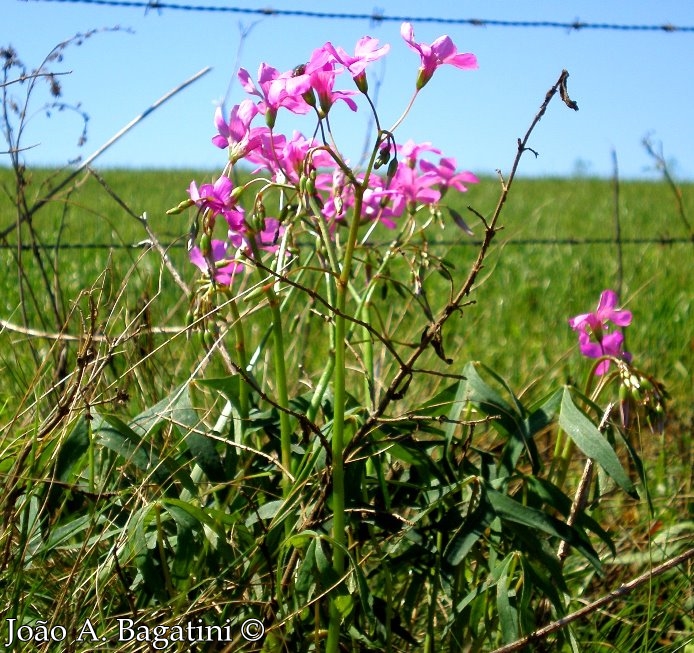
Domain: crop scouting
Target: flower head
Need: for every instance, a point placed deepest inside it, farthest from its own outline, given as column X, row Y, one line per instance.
column 276, row 90
column 448, row 177
column 322, row 82
column 214, row 197
column 415, row 187
column 365, row 52
column 225, row 267
column 594, row 336
column 237, row 134
column 441, row 51
column 410, row 151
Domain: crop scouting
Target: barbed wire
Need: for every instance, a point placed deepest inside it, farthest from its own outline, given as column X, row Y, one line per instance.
column 520, row 242
column 378, row 16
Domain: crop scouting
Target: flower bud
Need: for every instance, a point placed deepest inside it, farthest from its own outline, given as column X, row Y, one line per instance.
column 235, row 194
column 309, row 97
column 259, row 213
column 423, row 79
column 205, row 245
column 383, row 156
column 182, row 206
column 311, row 182
column 360, row 81
column 392, row 169
column 270, row 117
column 193, row 233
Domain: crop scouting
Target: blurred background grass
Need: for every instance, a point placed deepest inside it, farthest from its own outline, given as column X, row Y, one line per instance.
column 523, row 297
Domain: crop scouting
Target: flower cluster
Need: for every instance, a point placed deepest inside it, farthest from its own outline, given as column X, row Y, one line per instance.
column 597, row 338
column 595, row 335
column 325, row 185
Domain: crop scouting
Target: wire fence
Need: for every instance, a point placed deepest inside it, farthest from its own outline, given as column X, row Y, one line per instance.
column 379, row 16
column 466, row 242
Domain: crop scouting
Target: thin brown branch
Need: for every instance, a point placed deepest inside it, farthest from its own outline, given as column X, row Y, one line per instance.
column 662, row 165
column 432, row 334
column 116, row 137
column 622, row 590
column 153, row 240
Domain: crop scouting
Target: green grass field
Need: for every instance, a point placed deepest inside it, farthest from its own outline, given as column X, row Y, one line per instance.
column 542, row 269
column 523, row 297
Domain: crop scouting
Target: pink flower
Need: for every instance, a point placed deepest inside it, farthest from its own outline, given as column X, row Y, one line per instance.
column 594, row 336
column 277, row 90
column 383, row 205
column 604, row 313
column 610, row 345
column 224, row 274
column 410, row 151
column 441, row 51
column 365, row 52
column 227, row 258
column 284, row 158
column 214, row 197
column 415, row 187
column 268, row 238
column 322, row 82
column 237, row 134
column 448, row 177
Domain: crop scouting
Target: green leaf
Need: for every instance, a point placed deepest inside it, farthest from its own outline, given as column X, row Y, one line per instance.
column 552, row 496
column 227, row 385
column 185, row 547
column 508, row 615
column 112, row 433
column 509, row 417
column 305, row 575
column 592, row 443
column 540, row 418
column 270, row 509
column 511, row 510
column 475, row 521
column 201, row 446
column 539, row 578
column 464, row 538
column 149, row 419
column 74, row 447
column 142, row 544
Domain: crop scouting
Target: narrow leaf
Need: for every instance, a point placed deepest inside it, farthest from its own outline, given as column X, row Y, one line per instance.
column 592, row 443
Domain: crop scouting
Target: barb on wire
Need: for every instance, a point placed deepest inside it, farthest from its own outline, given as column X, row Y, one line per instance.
column 377, row 16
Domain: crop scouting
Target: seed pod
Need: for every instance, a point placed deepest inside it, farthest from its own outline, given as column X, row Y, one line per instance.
column 205, row 245
column 392, row 168
column 182, row 206
column 311, row 183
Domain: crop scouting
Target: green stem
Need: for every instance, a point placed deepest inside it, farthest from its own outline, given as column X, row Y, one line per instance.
column 338, row 435
column 242, row 356
column 368, row 354
column 282, row 394
column 280, row 376
column 430, row 638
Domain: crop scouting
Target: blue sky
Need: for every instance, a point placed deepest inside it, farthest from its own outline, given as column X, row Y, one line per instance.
column 628, row 84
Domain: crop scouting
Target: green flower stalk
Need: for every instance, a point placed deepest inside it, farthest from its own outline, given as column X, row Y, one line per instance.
column 338, row 435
